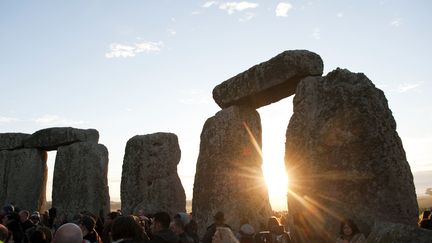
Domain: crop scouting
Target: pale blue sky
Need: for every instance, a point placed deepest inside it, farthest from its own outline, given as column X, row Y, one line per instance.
column 139, row 67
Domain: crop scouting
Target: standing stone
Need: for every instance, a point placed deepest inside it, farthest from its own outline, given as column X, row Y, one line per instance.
column 228, row 174
column 345, row 159
column 80, row 179
column 384, row 232
column 9, row 141
column 3, row 175
column 269, row 81
column 149, row 178
column 52, row 138
column 23, row 174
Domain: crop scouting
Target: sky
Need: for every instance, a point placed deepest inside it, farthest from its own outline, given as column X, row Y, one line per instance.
column 137, row 67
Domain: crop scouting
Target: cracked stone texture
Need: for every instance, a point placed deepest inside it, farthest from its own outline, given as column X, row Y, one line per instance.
column 269, row 81
column 80, row 179
column 384, row 232
column 9, row 141
column 52, row 138
column 345, row 159
column 228, row 175
column 23, row 177
column 149, row 177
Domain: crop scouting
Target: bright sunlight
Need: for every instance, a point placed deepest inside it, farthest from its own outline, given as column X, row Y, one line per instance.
column 274, row 121
column 276, row 180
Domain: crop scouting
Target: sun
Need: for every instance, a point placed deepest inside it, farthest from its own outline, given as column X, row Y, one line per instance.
column 276, row 180
column 274, row 121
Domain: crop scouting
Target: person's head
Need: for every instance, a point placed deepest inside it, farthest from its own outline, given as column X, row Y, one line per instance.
column 4, row 232
column 87, row 224
column 177, row 226
column 12, row 217
column 192, row 227
column 219, row 218
column 35, row 217
column 161, row 220
column 112, row 215
column 247, row 233
column 273, row 224
column 184, row 217
column 425, row 215
column 224, row 235
column 46, row 231
column 348, row 228
column 8, row 209
column 68, row 233
column 37, row 236
column 140, row 212
column 246, row 230
column 109, row 218
column 24, row 215
column 126, row 227
column 52, row 212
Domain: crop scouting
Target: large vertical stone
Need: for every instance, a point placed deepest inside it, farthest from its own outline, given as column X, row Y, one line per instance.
column 149, row 178
column 345, row 158
column 3, row 175
column 228, row 174
column 80, row 179
column 23, row 177
column 384, row 232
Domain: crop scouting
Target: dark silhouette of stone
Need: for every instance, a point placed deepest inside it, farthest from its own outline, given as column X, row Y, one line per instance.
column 23, row 177
column 52, row 138
column 384, row 232
column 10, row 141
column 345, row 159
column 269, row 81
column 149, row 177
column 3, row 175
column 228, row 174
column 80, row 179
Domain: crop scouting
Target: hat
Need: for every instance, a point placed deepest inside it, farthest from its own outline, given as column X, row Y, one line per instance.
column 219, row 216
column 8, row 209
column 35, row 214
column 247, row 229
column 184, row 217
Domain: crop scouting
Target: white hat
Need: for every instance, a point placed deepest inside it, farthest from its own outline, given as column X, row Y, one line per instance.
column 35, row 214
column 247, row 229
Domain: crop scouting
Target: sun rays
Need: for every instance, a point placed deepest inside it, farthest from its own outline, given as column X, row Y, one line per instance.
column 311, row 210
column 274, row 173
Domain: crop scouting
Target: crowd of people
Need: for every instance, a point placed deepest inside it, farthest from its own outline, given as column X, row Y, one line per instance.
column 19, row 226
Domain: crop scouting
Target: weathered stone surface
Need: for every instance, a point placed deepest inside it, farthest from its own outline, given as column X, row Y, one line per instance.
column 52, row 138
column 149, row 178
column 345, row 158
column 23, row 177
column 3, row 174
column 390, row 233
column 12, row 140
column 228, row 174
column 269, row 81
column 80, row 179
